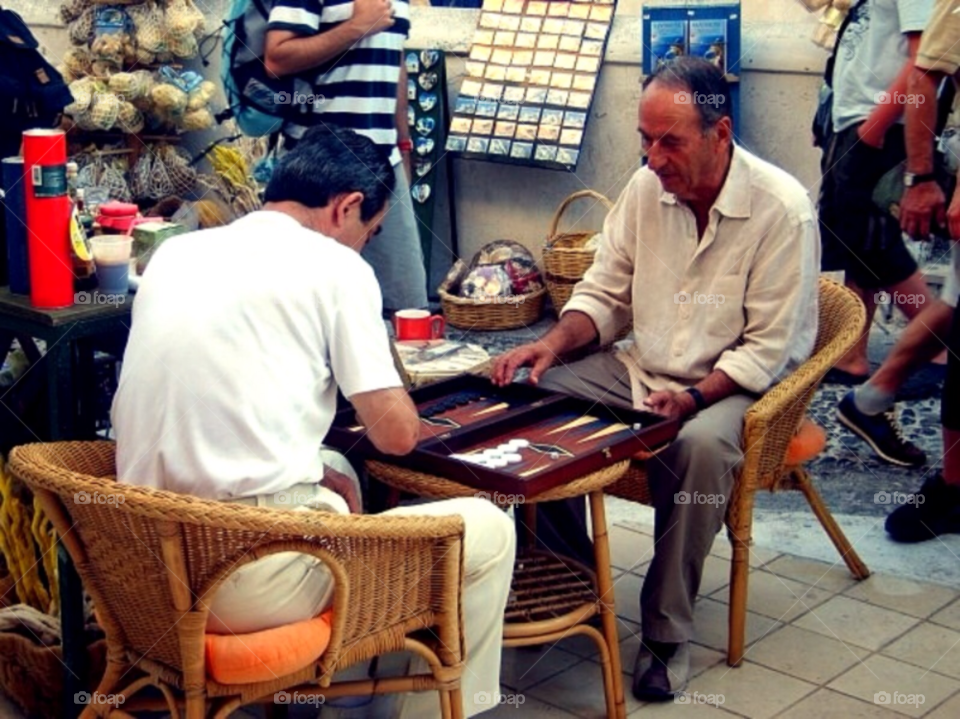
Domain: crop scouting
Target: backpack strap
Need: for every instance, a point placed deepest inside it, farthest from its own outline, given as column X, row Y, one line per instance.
column 828, row 70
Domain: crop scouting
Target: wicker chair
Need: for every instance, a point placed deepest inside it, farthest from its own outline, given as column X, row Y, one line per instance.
column 769, row 426
column 152, row 564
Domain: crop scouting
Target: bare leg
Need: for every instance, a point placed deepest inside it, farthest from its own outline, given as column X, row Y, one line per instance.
column 907, row 293
column 921, row 341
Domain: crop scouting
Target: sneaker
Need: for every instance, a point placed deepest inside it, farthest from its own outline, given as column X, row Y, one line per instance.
column 932, row 511
column 882, row 432
column 661, row 670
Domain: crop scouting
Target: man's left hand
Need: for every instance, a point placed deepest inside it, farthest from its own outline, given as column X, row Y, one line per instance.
column 953, row 217
column 918, row 206
column 672, row 405
column 342, row 485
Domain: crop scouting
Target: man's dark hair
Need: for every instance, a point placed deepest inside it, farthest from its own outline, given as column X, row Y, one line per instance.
column 329, row 161
column 701, row 79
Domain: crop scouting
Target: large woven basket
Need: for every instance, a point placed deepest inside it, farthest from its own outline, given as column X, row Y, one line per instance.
column 31, row 676
column 565, row 260
column 518, row 311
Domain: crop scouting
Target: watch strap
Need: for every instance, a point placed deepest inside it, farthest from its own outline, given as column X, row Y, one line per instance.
column 697, row 397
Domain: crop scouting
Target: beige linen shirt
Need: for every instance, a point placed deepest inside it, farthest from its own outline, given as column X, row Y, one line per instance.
column 741, row 299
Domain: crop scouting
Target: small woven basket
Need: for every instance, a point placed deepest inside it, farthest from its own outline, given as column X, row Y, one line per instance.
column 465, row 314
column 565, row 260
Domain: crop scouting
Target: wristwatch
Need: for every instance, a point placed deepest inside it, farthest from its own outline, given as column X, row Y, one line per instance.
column 911, row 179
column 698, row 398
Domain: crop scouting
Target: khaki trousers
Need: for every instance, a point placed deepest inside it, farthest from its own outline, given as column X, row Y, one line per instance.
column 291, row 587
column 690, row 482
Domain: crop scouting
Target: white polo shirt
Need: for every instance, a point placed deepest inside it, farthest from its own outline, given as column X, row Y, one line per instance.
column 240, row 337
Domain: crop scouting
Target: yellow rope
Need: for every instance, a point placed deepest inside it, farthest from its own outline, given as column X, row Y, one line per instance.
column 24, row 539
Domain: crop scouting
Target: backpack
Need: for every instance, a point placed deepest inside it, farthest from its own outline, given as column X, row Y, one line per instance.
column 254, row 98
column 823, row 118
column 32, row 92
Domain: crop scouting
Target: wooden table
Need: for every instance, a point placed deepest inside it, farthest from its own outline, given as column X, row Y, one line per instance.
column 551, row 597
column 69, row 335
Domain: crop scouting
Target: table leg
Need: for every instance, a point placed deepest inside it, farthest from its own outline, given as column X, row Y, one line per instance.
column 72, row 633
column 601, row 545
column 60, row 401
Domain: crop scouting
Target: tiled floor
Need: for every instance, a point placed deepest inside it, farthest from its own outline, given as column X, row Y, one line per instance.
column 819, row 645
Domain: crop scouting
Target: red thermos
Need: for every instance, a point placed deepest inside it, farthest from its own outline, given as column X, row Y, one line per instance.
column 48, row 218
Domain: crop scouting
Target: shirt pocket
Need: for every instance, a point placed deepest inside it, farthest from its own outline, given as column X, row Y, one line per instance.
column 723, row 314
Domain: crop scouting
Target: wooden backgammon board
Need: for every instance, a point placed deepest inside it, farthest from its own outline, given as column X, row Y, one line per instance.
column 518, row 439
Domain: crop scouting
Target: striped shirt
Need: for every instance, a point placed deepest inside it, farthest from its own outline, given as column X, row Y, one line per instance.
column 358, row 89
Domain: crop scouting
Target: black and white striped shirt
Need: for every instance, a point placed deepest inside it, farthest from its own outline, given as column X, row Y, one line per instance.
column 359, row 87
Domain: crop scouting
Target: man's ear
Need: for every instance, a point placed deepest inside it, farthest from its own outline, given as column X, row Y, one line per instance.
column 346, row 206
column 724, row 130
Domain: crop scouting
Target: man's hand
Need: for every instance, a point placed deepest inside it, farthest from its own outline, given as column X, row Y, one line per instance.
column 918, row 204
column 342, row 485
column 870, row 135
column 953, row 217
column 672, row 405
column 372, row 16
column 536, row 354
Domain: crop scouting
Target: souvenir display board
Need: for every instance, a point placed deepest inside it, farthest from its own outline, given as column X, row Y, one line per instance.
column 530, row 80
column 701, row 28
column 517, row 439
column 426, row 105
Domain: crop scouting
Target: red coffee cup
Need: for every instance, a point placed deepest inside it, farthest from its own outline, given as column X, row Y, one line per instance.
column 418, row 325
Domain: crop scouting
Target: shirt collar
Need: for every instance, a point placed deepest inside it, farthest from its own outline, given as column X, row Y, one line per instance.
column 734, row 197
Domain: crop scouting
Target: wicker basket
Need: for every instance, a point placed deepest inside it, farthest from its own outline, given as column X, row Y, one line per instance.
column 31, row 676
column 565, row 260
column 465, row 314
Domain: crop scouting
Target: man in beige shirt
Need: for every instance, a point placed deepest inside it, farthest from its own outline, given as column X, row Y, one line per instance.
column 715, row 254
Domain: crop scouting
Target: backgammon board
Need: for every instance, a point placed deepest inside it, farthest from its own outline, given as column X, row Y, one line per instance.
column 518, row 439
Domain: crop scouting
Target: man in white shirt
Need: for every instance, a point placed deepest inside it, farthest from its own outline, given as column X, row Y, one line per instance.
column 714, row 255
column 241, row 336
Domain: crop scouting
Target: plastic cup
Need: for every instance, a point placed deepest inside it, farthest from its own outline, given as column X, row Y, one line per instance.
column 111, row 255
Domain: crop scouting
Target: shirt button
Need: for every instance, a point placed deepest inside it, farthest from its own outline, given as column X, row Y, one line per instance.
column 685, row 311
column 677, row 351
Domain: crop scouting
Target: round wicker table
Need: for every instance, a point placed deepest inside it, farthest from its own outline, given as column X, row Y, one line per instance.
column 551, row 597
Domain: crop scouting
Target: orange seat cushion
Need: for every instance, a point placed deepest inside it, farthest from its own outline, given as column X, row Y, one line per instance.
column 264, row 656
column 807, row 443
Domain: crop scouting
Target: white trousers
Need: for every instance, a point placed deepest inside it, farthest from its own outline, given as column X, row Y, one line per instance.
column 291, row 587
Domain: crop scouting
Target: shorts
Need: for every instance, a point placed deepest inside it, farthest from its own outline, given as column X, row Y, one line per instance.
column 857, row 237
column 950, row 403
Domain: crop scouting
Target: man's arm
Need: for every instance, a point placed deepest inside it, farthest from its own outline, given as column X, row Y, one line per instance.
column 390, row 418
column 679, row 405
column 884, row 115
column 288, row 52
column 925, row 200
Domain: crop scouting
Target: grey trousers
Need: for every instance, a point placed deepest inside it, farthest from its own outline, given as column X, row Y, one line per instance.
column 396, row 254
column 690, row 482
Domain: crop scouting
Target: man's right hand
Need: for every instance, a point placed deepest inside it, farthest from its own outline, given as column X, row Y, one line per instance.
column 918, row 205
column 537, row 355
column 372, row 16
